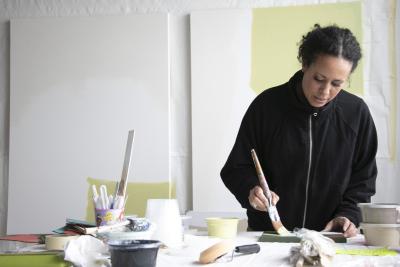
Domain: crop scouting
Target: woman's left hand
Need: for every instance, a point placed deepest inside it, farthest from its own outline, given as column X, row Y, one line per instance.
column 342, row 224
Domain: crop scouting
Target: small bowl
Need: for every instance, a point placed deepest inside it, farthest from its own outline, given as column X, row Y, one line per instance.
column 222, row 227
column 139, row 228
column 386, row 235
column 387, row 213
column 127, row 235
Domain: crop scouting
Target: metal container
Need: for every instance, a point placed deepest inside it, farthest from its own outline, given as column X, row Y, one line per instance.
column 387, row 213
column 386, row 235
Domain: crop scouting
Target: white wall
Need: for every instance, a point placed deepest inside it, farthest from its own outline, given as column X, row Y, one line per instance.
column 180, row 153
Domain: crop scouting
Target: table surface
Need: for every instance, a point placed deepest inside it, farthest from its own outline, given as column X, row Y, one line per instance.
column 271, row 254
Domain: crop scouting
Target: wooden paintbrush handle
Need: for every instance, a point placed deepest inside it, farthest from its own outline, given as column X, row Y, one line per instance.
column 261, row 177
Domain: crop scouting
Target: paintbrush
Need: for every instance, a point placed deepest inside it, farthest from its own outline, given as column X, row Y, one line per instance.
column 272, row 210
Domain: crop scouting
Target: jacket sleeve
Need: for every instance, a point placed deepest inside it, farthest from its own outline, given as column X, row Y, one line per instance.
column 364, row 171
column 238, row 173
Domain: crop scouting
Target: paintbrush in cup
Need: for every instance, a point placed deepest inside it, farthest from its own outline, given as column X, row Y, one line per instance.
column 272, row 210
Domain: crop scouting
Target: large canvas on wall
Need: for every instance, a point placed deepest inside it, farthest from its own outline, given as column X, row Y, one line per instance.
column 221, row 59
column 77, row 86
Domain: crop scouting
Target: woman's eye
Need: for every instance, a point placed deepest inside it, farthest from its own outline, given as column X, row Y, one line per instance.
column 336, row 84
column 318, row 79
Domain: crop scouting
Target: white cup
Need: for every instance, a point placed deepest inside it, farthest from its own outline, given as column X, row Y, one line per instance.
column 164, row 213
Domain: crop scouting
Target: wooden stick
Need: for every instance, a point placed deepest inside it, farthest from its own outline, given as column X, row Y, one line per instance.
column 125, row 171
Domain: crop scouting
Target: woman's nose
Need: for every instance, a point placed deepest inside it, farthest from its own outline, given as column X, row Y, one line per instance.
column 324, row 89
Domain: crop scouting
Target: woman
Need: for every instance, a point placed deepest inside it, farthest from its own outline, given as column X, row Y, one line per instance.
column 315, row 141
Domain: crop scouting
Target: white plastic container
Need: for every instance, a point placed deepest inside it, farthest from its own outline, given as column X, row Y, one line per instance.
column 386, row 235
column 387, row 213
column 164, row 213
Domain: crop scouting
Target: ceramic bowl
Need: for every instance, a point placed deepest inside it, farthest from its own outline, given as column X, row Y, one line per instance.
column 222, row 227
column 386, row 235
column 387, row 213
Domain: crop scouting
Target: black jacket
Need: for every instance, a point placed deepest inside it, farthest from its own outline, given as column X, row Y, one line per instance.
column 321, row 162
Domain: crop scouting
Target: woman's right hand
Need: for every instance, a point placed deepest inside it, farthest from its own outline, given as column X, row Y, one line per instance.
column 258, row 200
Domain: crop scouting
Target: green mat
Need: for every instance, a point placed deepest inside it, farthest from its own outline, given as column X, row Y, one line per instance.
column 368, row 252
column 274, row 237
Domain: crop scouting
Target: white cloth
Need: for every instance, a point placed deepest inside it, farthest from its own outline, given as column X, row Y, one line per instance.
column 87, row 251
column 314, row 249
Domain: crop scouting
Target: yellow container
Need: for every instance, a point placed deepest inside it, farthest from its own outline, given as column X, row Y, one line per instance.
column 222, row 227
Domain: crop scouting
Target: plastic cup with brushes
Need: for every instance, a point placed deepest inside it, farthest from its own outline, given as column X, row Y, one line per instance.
column 272, row 210
column 105, row 212
column 109, row 209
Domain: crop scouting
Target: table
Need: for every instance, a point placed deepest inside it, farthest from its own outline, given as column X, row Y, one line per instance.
column 31, row 255
column 271, row 254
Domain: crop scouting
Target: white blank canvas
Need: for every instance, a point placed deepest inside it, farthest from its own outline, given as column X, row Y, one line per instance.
column 77, row 86
column 221, row 93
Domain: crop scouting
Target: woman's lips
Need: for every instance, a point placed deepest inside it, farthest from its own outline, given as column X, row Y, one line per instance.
column 320, row 100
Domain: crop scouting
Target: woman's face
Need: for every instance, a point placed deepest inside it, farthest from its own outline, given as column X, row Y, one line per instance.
column 324, row 79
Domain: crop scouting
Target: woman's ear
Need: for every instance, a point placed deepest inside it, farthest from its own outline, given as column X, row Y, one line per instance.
column 304, row 68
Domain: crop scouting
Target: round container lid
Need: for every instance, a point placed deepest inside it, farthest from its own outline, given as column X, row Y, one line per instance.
column 222, row 219
column 133, row 244
column 380, row 225
column 379, row 205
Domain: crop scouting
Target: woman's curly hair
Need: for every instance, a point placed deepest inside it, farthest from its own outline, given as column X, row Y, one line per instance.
column 330, row 40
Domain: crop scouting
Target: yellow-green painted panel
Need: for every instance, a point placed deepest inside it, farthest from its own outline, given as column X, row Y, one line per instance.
column 138, row 193
column 277, row 31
